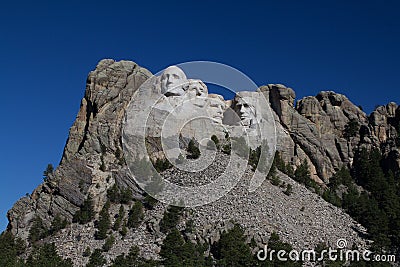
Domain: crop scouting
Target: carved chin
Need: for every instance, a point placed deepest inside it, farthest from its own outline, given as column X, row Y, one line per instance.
column 217, row 119
column 174, row 92
column 246, row 122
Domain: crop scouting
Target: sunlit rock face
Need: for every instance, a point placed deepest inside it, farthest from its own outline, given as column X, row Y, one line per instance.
column 310, row 130
column 245, row 107
column 216, row 107
column 172, row 105
column 177, row 109
column 172, row 81
column 196, row 88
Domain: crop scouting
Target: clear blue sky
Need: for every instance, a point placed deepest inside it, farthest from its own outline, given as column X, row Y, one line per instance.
column 48, row 48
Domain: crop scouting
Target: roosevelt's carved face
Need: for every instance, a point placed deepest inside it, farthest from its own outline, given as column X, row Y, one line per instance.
column 216, row 109
column 172, row 81
column 246, row 111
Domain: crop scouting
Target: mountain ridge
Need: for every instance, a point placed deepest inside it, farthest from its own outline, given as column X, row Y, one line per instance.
column 315, row 130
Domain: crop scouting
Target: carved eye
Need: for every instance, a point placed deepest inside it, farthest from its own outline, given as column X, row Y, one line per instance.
column 175, row 76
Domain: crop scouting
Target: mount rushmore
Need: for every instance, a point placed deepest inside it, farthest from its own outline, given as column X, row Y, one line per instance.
column 170, row 107
column 128, row 114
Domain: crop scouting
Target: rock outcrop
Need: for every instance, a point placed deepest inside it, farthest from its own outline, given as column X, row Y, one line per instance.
column 326, row 130
column 315, row 129
column 94, row 140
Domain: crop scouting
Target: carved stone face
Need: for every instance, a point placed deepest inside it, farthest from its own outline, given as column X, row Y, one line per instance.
column 196, row 88
column 246, row 111
column 216, row 109
column 199, row 87
column 172, row 81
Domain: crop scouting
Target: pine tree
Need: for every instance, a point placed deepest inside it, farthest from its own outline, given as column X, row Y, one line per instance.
column 289, row 190
column 254, row 157
column 102, row 165
column 135, row 215
column 279, row 163
column 193, row 150
column 129, row 260
column 379, row 210
column 124, row 229
column 232, row 249
column 118, row 221
column 162, row 164
column 104, row 222
column 351, row 128
column 46, row 255
column 150, row 202
column 133, row 260
column 96, row 259
column 226, row 149
column 10, row 249
column 57, row 224
column 275, row 180
column 86, row 212
column 272, row 175
column 109, row 243
column 170, row 219
column 175, row 251
column 87, row 252
column 171, row 248
column 361, row 167
column 49, row 170
column 274, row 243
column 342, row 176
column 113, row 194
column 330, row 196
column 37, row 230
column 126, row 195
column 215, row 140
column 302, row 174
column 289, row 170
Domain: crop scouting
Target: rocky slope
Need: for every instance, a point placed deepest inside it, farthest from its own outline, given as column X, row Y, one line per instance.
column 314, row 129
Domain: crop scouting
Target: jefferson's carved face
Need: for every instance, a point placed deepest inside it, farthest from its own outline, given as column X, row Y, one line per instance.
column 216, row 109
column 172, row 81
column 246, row 111
column 199, row 87
column 196, row 88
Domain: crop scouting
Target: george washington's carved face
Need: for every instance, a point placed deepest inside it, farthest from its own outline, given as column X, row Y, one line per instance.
column 172, row 81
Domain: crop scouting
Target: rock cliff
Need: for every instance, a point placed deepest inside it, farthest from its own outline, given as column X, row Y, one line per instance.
column 316, row 128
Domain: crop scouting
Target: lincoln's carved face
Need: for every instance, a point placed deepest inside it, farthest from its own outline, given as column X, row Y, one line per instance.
column 172, row 81
column 246, row 111
column 216, row 109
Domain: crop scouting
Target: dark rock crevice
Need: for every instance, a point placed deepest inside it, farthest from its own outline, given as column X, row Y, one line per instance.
column 91, row 109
